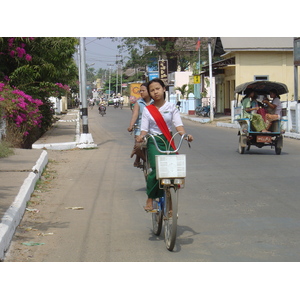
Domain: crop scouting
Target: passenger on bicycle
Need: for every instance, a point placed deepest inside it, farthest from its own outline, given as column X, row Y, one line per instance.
column 157, row 119
column 136, row 118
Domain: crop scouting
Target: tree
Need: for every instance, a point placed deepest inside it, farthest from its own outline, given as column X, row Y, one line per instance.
column 180, row 52
column 52, row 62
column 113, row 83
column 40, row 67
column 185, row 90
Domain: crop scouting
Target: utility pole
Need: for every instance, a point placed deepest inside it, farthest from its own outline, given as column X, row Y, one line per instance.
column 117, row 78
column 79, row 70
column 85, row 127
column 296, row 65
column 210, row 81
column 86, row 140
column 121, row 71
column 109, row 74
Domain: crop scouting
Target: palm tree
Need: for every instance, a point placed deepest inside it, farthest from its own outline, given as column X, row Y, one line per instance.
column 185, row 90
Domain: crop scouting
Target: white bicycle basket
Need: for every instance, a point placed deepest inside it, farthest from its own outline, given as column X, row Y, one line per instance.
column 170, row 166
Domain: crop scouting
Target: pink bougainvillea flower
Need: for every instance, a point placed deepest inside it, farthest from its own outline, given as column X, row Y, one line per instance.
column 22, row 104
column 28, row 57
column 18, row 120
column 21, row 52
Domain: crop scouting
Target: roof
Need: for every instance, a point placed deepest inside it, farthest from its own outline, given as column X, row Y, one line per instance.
column 257, row 43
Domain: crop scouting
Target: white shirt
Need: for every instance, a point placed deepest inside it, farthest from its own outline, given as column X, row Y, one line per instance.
column 278, row 108
column 170, row 113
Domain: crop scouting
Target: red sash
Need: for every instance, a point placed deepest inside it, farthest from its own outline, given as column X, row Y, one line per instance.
column 161, row 123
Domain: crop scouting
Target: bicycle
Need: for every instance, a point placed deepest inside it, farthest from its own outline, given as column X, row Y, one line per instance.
column 171, row 173
column 203, row 111
column 145, row 166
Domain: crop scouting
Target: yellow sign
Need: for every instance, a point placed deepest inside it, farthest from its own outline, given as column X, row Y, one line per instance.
column 135, row 91
column 196, row 79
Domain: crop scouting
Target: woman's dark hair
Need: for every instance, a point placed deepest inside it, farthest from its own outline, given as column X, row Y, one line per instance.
column 145, row 84
column 275, row 92
column 247, row 93
column 158, row 81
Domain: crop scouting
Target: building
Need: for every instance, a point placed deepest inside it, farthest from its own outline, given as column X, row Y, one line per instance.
column 250, row 58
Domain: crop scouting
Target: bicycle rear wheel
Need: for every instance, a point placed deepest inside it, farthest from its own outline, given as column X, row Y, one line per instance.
column 170, row 217
column 157, row 218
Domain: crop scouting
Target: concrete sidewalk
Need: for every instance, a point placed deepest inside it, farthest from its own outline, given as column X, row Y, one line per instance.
column 20, row 172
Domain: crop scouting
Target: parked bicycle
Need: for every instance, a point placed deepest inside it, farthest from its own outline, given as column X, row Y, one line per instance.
column 203, row 111
column 171, row 172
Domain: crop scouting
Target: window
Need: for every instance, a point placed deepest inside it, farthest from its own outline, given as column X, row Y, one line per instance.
column 261, row 77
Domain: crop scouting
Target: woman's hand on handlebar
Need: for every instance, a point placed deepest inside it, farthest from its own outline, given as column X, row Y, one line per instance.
column 140, row 138
column 189, row 138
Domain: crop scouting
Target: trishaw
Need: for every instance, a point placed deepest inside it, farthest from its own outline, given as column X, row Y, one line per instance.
column 248, row 137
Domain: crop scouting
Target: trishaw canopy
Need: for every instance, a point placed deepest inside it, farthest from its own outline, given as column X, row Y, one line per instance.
column 262, row 87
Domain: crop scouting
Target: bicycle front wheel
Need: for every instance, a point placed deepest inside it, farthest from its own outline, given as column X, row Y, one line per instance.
column 146, row 165
column 170, row 217
column 157, row 218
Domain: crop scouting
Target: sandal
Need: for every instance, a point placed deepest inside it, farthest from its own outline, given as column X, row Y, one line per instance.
column 137, row 164
column 149, row 206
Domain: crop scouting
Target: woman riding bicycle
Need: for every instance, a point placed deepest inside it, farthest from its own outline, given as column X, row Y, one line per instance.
column 155, row 117
column 137, row 119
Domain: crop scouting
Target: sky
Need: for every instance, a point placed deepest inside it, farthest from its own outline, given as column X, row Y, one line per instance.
column 101, row 52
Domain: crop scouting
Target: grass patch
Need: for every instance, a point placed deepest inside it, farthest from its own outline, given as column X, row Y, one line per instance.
column 5, row 149
column 43, row 184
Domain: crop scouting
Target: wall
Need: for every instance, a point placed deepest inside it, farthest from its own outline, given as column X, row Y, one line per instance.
column 179, row 79
column 279, row 66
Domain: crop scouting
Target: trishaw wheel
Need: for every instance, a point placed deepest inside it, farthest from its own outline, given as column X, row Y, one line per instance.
column 277, row 150
column 241, row 148
column 278, row 145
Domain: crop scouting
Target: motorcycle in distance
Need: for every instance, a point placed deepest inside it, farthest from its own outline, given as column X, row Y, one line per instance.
column 102, row 110
column 203, row 111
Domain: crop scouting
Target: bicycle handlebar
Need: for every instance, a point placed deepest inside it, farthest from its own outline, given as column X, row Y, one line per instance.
column 167, row 151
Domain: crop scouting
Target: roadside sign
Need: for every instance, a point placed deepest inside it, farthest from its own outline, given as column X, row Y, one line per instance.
column 163, row 71
column 197, row 79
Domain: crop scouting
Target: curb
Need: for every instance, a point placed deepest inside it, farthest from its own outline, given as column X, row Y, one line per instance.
column 55, row 146
column 14, row 214
column 67, row 145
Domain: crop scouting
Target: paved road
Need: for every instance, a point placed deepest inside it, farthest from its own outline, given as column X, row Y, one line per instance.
column 234, row 207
